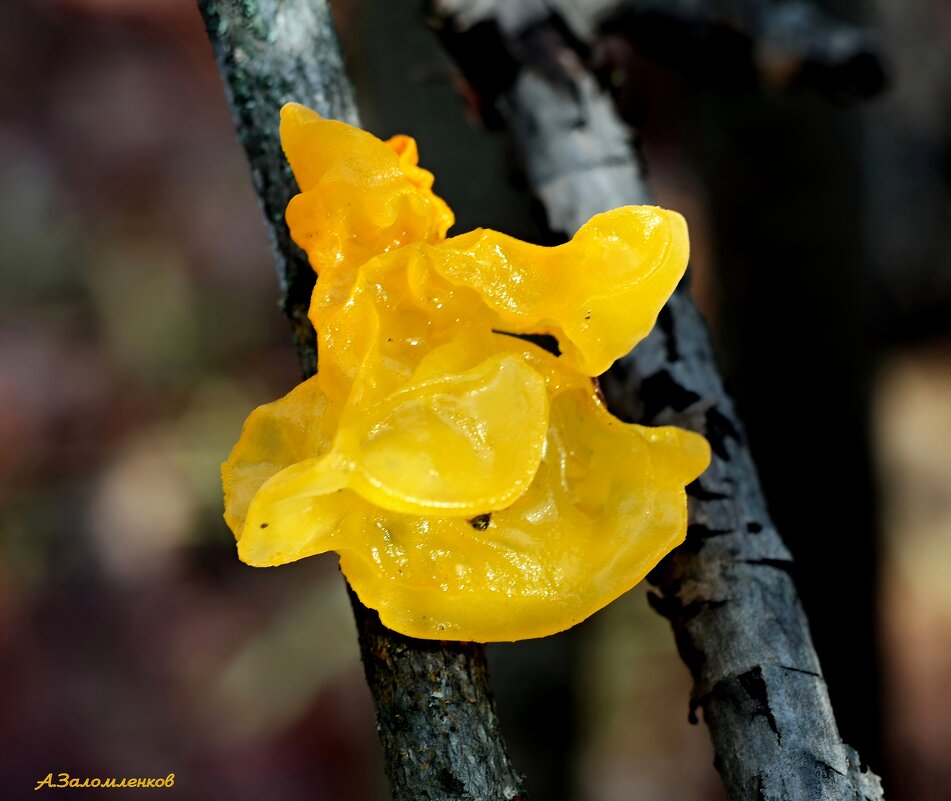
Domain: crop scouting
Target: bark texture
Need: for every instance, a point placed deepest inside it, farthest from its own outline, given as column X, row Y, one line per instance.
column 271, row 52
column 435, row 712
column 435, row 717
column 728, row 590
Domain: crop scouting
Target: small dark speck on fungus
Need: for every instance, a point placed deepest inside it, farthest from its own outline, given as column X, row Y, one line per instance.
column 481, row 522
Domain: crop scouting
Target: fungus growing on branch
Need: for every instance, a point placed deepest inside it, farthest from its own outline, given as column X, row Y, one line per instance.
column 473, row 484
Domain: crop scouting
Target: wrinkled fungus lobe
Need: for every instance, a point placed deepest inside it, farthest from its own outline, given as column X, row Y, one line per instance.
column 473, row 484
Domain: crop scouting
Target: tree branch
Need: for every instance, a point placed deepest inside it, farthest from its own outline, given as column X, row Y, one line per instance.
column 779, row 42
column 727, row 590
column 434, row 707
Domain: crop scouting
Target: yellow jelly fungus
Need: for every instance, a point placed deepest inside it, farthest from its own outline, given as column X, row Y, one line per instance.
column 473, row 484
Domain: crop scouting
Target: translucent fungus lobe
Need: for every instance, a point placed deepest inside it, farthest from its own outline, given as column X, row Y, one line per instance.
column 473, row 484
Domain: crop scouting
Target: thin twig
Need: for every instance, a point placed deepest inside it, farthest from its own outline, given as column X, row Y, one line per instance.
column 434, row 707
column 775, row 42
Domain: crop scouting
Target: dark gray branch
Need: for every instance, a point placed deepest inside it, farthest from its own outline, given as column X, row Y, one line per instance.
column 434, row 707
column 436, row 717
column 728, row 590
column 270, row 52
column 785, row 43
column 776, row 42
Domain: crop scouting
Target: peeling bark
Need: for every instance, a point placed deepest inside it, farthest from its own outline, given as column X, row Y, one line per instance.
column 434, row 707
column 728, row 590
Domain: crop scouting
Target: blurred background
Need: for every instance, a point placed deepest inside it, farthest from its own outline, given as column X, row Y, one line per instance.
column 139, row 326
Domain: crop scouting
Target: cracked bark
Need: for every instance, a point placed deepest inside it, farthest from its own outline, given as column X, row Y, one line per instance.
column 728, row 590
column 435, row 712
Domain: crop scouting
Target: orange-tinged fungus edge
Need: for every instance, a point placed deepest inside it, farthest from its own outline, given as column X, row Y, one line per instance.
column 474, row 485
